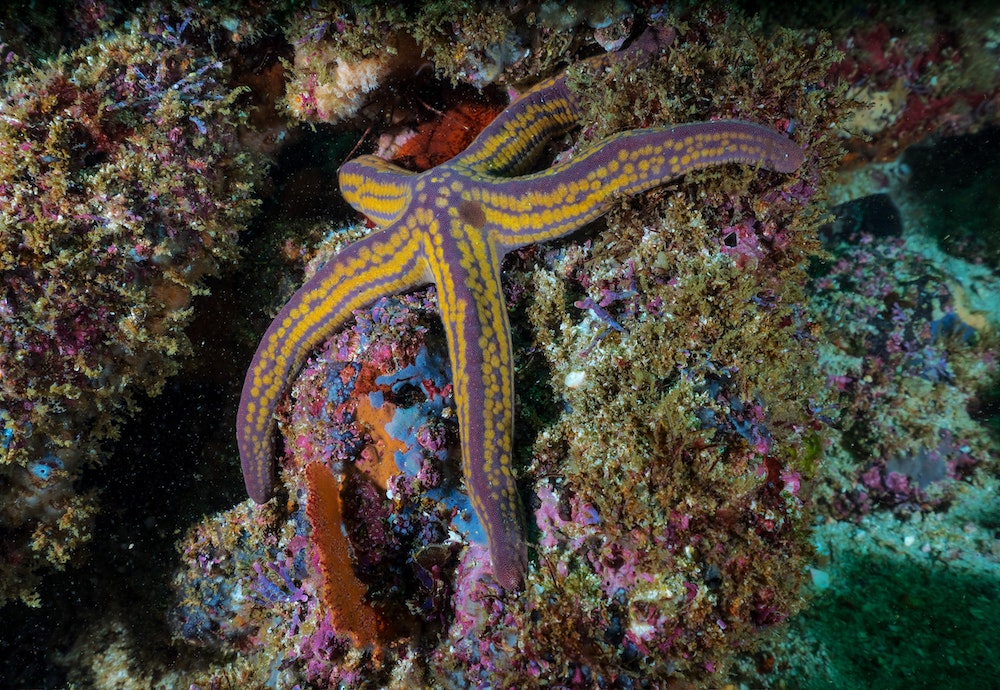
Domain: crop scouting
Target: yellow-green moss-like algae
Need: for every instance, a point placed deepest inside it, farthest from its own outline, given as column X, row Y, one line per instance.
column 121, row 187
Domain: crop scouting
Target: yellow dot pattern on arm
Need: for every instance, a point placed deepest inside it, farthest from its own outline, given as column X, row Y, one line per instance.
column 385, row 262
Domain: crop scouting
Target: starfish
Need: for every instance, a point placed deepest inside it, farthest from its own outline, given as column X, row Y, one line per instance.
column 452, row 226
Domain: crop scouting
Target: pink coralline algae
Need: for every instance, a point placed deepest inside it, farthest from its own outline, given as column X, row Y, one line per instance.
column 120, row 188
column 897, row 341
column 374, row 406
column 382, row 392
column 938, row 81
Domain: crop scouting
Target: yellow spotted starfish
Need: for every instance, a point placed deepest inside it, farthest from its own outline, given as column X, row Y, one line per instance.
column 452, row 226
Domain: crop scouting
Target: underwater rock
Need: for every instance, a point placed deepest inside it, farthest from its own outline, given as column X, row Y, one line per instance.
column 121, row 188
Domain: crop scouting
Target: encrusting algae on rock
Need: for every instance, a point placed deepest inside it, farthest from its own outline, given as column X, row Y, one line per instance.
column 121, row 187
column 670, row 489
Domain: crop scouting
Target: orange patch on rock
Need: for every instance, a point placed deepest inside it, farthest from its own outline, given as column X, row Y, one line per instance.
column 343, row 593
column 446, row 136
column 379, row 459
